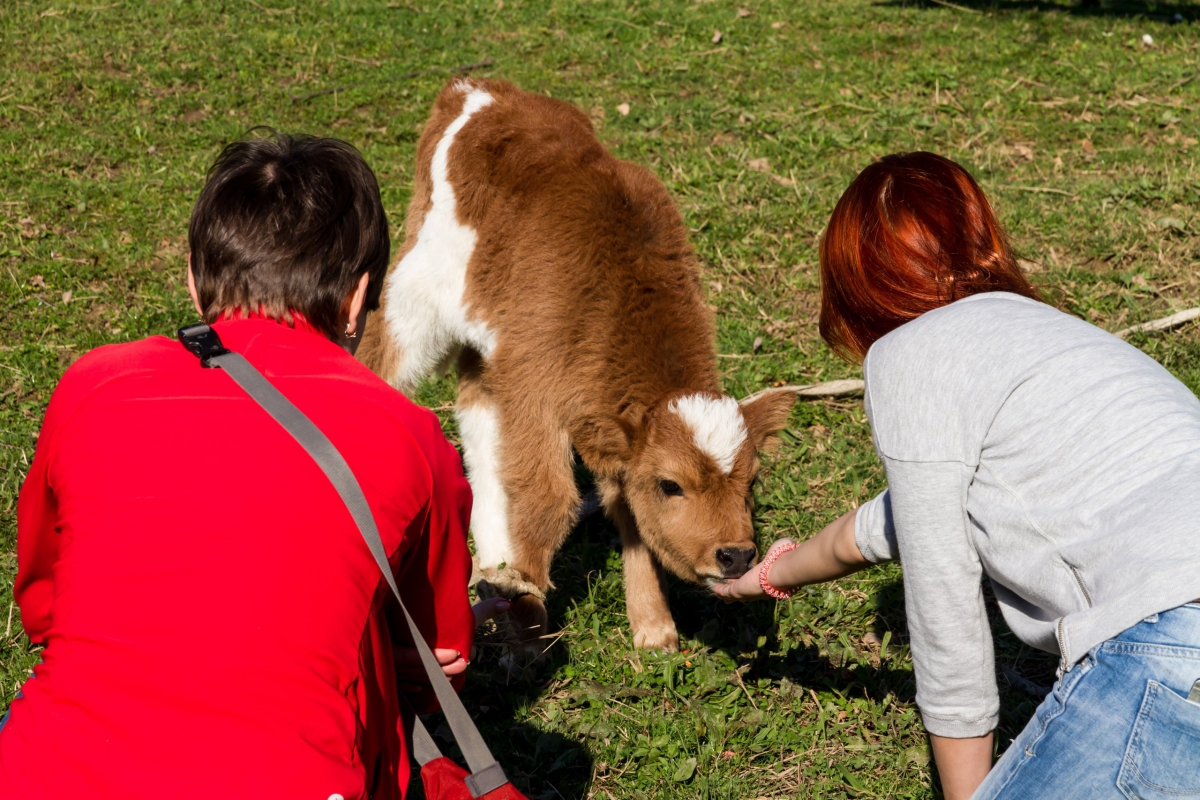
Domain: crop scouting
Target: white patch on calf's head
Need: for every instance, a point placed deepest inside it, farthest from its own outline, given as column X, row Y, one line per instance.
column 716, row 423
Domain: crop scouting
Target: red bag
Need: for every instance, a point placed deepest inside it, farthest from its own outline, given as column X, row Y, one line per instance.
column 443, row 779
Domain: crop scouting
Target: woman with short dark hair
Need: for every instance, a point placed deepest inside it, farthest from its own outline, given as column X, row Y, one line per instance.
column 213, row 623
column 1023, row 444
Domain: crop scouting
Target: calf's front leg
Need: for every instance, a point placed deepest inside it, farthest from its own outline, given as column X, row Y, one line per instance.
column 645, row 591
column 539, row 499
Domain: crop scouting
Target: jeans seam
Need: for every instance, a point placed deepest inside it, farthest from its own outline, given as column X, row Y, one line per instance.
column 1025, row 757
column 1149, row 648
column 1027, row 753
column 1124, row 775
column 1044, row 724
column 1067, row 691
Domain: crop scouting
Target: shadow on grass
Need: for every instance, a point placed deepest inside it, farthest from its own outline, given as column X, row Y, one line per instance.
column 816, row 651
column 817, row 654
column 545, row 766
column 749, row 634
column 1131, row 9
column 542, row 765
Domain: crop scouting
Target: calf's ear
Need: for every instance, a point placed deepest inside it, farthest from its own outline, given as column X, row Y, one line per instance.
column 603, row 441
column 766, row 414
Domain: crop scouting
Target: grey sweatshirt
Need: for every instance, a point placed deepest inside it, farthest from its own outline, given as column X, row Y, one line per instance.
column 1027, row 445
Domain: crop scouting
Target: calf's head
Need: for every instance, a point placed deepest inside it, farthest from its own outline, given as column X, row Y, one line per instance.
column 686, row 466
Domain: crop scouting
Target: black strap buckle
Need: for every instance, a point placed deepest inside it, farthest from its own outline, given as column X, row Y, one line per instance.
column 202, row 341
column 488, row 779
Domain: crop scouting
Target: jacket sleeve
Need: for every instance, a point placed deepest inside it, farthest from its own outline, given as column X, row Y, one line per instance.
column 874, row 530
column 950, row 638
column 434, row 585
column 37, row 524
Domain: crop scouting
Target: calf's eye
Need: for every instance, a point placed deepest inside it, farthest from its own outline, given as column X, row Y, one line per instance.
column 670, row 488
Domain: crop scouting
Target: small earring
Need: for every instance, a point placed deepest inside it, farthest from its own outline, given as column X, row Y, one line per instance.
column 350, row 335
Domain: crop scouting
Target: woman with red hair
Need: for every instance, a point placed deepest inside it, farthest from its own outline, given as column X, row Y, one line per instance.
column 1023, row 444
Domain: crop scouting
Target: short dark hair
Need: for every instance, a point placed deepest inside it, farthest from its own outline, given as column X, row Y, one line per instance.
column 287, row 225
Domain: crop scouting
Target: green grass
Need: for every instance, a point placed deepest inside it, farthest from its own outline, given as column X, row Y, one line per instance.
column 1085, row 138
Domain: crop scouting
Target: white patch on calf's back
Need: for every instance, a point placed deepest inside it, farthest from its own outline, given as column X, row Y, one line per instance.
column 716, row 423
column 425, row 309
column 479, row 427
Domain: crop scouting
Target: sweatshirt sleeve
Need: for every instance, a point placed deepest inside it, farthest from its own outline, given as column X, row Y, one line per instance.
column 37, row 549
column 435, row 586
column 874, row 531
column 38, row 536
column 950, row 638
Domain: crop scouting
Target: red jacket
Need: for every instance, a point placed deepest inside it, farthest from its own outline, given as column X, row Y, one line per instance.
column 210, row 614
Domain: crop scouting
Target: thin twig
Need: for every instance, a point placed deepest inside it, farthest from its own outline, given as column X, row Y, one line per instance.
column 956, row 7
column 817, row 110
column 1180, row 83
column 1165, row 323
column 812, row 390
column 1039, row 190
column 623, row 22
column 370, row 62
column 1021, row 80
column 271, row 11
column 738, row 674
column 300, row 98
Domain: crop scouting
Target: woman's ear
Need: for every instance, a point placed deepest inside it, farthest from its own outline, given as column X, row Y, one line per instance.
column 355, row 304
column 192, row 288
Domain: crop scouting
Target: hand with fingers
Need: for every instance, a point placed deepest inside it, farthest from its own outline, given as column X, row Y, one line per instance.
column 749, row 586
column 832, row 553
column 408, row 664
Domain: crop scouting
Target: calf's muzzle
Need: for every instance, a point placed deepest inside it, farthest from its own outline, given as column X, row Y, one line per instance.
column 735, row 561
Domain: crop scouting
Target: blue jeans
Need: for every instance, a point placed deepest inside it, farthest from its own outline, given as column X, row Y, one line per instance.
column 1117, row 725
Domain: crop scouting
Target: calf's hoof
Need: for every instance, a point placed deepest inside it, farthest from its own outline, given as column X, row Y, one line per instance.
column 531, row 624
column 525, row 627
column 656, row 637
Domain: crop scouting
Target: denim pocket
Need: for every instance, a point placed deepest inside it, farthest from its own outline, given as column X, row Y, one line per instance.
column 1163, row 756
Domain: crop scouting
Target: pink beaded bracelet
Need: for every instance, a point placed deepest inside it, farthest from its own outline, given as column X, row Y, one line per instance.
column 778, row 594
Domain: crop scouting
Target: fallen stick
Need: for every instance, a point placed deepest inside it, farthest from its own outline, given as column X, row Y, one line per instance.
column 1166, row 323
column 1039, row 190
column 818, row 390
column 300, row 98
column 957, row 7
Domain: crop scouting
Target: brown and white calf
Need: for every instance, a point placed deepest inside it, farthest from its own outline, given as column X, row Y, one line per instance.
column 563, row 281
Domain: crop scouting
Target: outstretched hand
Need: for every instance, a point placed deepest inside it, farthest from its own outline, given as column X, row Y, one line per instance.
column 747, row 587
column 832, row 553
column 408, row 662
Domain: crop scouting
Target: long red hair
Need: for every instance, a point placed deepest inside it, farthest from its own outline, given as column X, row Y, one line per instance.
column 913, row 232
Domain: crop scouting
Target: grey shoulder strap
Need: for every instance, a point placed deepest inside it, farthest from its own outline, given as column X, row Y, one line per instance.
column 486, row 774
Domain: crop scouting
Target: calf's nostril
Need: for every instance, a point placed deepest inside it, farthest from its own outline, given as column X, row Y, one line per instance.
column 734, row 561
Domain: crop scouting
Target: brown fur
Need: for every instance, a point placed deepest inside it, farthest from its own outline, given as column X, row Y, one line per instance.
column 583, row 271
